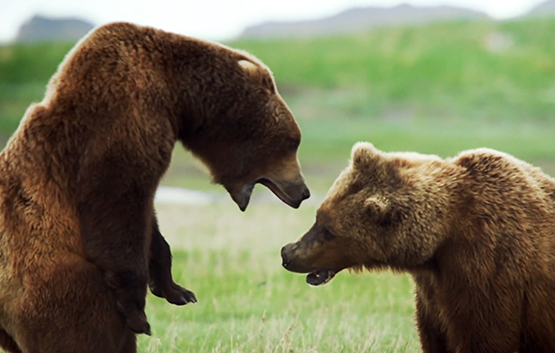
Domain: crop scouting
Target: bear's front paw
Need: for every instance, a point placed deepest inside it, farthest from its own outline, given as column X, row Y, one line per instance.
column 173, row 293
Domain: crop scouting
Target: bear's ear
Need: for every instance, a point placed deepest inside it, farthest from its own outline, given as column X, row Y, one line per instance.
column 381, row 210
column 363, row 154
column 257, row 73
column 248, row 66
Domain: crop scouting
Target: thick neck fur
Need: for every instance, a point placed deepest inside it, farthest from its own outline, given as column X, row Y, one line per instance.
column 429, row 191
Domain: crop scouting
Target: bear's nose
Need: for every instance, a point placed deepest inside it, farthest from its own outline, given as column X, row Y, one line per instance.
column 286, row 253
column 306, row 193
column 293, row 258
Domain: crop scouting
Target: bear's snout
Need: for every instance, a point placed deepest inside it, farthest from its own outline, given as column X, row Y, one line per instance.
column 293, row 259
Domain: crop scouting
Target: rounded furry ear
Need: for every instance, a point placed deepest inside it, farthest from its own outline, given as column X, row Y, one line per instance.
column 376, row 205
column 258, row 73
column 248, row 66
column 362, row 154
column 381, row 210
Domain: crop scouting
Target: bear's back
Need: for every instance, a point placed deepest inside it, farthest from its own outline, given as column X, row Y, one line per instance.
column 511, row 204
column 498, row 171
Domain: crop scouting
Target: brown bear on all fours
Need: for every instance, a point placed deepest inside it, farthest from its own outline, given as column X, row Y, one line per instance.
column 476, row 232
column 78, row 235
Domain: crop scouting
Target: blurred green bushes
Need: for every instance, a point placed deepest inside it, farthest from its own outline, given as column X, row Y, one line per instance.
column 466, row 70
column 24, row 72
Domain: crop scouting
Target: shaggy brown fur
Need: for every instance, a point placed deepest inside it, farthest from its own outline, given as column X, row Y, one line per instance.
column 78, row 235
column 476, row 232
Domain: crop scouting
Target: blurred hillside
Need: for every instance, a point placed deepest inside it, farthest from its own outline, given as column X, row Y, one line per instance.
column 45, row 29
column 362, row 19
column 545, row 9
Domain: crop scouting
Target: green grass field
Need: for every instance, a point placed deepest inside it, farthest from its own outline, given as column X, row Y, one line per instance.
column 434, row 89
column 248, row 303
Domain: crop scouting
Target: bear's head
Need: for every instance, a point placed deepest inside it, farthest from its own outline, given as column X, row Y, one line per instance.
column 243, row 131
column 386, row 210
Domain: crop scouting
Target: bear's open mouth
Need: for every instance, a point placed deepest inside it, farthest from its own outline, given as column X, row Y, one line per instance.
column 319, row 277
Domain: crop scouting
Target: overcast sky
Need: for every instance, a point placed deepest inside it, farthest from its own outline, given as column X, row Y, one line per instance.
column 216, row 19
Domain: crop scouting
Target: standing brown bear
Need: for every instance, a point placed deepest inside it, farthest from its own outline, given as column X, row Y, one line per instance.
column 476, row 233
column 78, row 235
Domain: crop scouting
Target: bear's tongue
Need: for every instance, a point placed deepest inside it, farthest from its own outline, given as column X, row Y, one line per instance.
column 319, row 277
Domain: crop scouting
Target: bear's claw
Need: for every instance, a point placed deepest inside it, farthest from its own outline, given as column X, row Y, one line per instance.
column 175, row 294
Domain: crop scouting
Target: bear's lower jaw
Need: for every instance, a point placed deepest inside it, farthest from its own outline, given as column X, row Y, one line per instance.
column 320, row 277
column 242, row 196
column 278, row 192
column 291, row 193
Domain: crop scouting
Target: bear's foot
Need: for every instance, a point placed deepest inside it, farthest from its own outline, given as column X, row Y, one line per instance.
column 135, row 318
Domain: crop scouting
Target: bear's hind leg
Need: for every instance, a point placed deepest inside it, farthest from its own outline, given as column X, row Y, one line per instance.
column 130, row 343
column 71, row 309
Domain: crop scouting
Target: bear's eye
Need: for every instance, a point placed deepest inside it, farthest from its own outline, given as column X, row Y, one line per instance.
column 269, row 84
column 293, row 144
column 326, row 234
